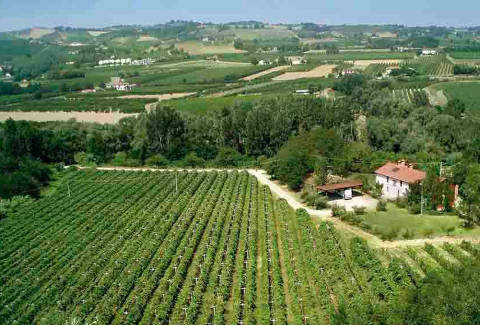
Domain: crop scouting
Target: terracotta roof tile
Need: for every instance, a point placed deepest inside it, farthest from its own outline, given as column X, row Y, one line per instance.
column 401, row 172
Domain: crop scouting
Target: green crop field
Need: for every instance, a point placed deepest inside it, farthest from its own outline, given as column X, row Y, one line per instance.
column 202, row 105
column 467, row 92
column 262, row 34
column 465, row 55
column 126, row 247
column 349, row 56
column 437, row 65
column 77, row 103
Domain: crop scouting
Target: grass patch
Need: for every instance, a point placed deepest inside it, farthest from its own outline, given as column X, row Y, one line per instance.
column 400, row 221
column 467, row 92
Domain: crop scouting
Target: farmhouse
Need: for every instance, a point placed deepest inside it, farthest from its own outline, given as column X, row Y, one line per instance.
column 396, row 177
column 296, row 60
column 429, row 52
column 118, row 84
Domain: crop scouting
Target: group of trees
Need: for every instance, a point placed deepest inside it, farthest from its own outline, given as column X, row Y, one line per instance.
column 297, row 135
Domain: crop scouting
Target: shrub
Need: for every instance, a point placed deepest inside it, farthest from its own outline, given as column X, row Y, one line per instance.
column 414, row 208
column 191, row 159
column 390, row 235
column 121, row 159
column 359, row 210
column 382, row 205
column 451, row 229
column 409, row 234
column 156, row 161
column 401, row 203
column 321, row 202
column 429, row 232
column 337, row 210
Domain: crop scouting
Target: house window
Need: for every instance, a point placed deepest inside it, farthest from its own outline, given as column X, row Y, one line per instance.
column 395, row 183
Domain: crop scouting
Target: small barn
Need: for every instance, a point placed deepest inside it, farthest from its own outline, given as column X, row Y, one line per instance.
column 344, row 189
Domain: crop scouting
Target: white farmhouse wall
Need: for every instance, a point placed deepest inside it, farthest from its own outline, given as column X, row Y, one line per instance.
column 392, row 188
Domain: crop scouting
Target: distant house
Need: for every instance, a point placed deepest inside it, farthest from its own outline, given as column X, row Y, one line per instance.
column 296, row 60
column 427, row 52
column 396, row 178
column 303, row 92
column 24, row 83
column 119, row 84
column 263, row 62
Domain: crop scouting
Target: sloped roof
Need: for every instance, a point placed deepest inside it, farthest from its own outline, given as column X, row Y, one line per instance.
column 401, row 172
column 339, row 186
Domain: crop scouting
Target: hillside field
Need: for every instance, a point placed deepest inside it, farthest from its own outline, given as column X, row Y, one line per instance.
column 467, row 92
column 130, row 247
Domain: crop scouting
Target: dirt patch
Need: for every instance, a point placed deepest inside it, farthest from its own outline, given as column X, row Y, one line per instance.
column 318, row 72
column 147, row 38
column 436, row 97
column 265, row 72
column 96, row 33
column 159, row 97
column 38, row 33
column 198, row 48
column 366, row 63
column 93, row 117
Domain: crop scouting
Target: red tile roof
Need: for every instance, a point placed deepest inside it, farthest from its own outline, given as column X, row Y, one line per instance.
column 401, row 172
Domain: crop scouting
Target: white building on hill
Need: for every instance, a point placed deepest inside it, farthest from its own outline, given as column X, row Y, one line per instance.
column 396, row 178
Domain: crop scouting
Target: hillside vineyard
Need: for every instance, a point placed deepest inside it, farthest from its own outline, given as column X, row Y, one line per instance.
column 126, row 247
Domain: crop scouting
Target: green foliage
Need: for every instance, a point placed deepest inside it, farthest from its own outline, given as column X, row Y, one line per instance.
column 228, row 157
column 192, row 160
column 381, row 205
column 156, row 161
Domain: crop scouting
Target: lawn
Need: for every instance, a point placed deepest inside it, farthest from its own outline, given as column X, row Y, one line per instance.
column 427, row 225
column 467, row 92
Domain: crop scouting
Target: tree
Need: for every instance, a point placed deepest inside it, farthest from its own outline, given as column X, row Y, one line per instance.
column 157, row 161
column 192, row 160
column 455, row 108
column 469, row 207
column 166, row 132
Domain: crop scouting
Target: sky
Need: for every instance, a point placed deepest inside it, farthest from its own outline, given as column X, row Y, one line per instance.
column 19, row 14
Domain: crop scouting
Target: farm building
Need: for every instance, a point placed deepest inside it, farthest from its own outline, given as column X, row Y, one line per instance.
column 426, row 52
column 345, row 189
column 118, row 84
column 396, row 177
column 296, row 60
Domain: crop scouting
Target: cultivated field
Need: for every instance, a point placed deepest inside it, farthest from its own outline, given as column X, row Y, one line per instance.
column 159, row 97
column 406, row 95
column 362, row 64
column 318, row 72
column 265, row 72
column 467, row 91
column 93, row 117
column 263, row 34
column 199, row 48
column 130, row 247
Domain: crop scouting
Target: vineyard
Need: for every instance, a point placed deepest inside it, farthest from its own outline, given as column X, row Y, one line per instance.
column 406, row 94
column 127, row 247
column 437, row 65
